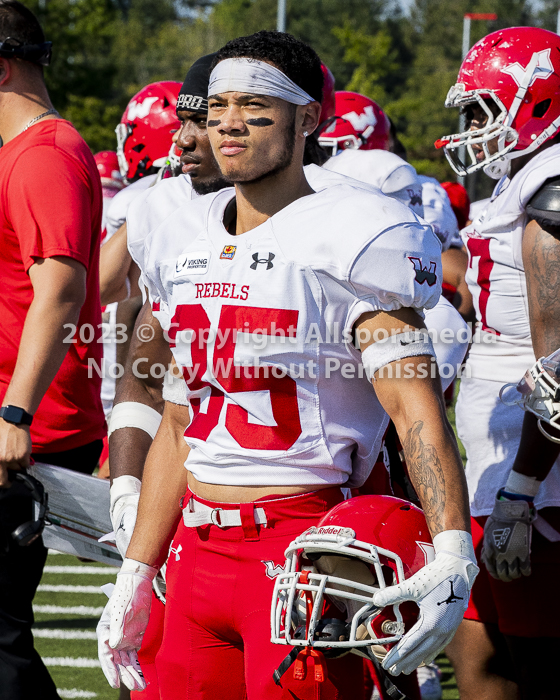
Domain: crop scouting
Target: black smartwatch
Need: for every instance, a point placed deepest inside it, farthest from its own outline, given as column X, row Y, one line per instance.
column 15, row 415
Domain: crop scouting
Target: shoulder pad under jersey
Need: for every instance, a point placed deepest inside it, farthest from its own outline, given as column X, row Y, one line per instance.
column 544, row 205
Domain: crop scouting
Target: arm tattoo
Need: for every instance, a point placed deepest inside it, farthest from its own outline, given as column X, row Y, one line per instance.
column 543, row 283
column 427, row 476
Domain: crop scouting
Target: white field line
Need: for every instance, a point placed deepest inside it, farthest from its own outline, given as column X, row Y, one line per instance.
column 42, row 633
column 53, row 552
column 79, row 662
column 68, row 610
column 48, row 588
column 81, row 570
column 75, row 693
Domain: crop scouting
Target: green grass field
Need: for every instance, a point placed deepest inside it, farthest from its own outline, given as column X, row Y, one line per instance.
column 66, row 639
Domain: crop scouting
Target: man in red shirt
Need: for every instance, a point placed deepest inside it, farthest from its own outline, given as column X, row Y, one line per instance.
column 50, row 328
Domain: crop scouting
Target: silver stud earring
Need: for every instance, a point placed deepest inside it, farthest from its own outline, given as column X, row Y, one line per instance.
column 306, row 133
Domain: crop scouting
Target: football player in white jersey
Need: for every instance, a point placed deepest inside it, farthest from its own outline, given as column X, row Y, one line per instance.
column 245, row 264
column 363, row 144
column 509, row 87
column 140, row 391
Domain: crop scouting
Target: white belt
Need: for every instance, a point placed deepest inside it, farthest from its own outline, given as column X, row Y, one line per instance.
column 196, row 514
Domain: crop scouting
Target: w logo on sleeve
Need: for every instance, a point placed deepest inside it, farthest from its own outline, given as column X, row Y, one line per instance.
column 273, row 570
column 423, row 274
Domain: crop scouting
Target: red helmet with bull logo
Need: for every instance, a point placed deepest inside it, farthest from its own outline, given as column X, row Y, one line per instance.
column 359, row 123
column 324, row 597
column 146, row 128
column 513, row 75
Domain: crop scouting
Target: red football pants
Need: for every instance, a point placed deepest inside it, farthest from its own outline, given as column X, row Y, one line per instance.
column 151, row 644
column 216, row 640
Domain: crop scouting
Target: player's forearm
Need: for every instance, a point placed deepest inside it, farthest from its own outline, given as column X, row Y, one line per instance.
column 129, row 446
column 435, row 468
column 42, row 349
column 541, row 258
column 536, row 453
column 114, row 266
column 164, row 483
column 436, row 472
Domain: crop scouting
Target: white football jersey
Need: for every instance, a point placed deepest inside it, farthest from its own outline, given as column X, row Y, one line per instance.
column 496, row 276
column 261, row 325
column 118, row 209
column 151, row 207
column 502, row 349
column 114, row 218
column 439, row 213
column 384, row 170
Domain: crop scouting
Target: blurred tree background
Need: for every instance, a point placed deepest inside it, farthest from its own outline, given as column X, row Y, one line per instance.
column 106, row 50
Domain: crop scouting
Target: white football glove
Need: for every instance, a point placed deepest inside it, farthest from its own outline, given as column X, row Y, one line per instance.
column 117, row 665
column 130, row 605
column 506, row 551
column 125, row 494
column 441, row 590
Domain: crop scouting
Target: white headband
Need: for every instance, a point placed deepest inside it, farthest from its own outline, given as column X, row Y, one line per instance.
column 257, row 77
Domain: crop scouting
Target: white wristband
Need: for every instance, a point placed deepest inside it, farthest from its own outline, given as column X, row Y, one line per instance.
column 131, row 566
column 524, row 485
column 125, row 485
column 132, row 414
column 396, row 347
column 457, row 542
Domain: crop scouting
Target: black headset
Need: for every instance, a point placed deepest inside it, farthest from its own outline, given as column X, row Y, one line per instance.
column 34, row 53
column 28, row 532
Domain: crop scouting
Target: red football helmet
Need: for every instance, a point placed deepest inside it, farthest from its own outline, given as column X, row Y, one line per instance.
column 108, row 166
column 359, row 123
column 145, row 131
column 517, row 71
column 328, row 102
column 460, row 201
column 360, row 546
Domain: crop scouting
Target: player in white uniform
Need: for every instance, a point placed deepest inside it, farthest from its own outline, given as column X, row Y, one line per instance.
column 508, row 86
column 141, row 390
column 285, row 438
column 359, row 139
column 111, row 181
column 128, row 455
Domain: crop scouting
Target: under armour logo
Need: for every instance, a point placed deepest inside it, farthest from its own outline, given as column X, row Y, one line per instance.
column 543, row 69
column 452, row 597
column 273, row 570
column 176, row 552
column 360, row 122
column 140, row 110
column 262, row 261
column 422, row 273
column 501, row 536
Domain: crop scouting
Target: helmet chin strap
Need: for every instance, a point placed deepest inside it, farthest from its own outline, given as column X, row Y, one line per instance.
column 498, row 168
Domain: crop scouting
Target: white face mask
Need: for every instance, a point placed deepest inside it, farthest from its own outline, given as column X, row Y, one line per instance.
column 538, row 392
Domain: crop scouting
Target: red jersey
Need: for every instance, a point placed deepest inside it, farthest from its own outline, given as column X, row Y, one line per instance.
column 50, row 205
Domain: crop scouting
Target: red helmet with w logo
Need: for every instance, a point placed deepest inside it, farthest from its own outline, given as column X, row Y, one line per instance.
column 514, row 76
column 146, row 128
column 358, row 547
column 359, row 123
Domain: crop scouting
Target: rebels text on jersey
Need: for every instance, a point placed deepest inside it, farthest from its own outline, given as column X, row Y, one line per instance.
column 261, row 325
